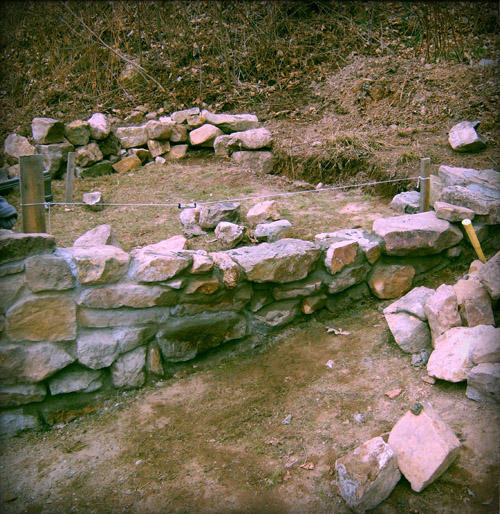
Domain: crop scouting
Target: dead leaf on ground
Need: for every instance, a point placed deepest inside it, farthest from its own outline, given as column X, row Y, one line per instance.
column 308, row 465
column 393, row 393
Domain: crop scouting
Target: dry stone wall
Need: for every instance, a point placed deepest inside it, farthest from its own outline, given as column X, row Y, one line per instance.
column 81, row 320
column 107, row 144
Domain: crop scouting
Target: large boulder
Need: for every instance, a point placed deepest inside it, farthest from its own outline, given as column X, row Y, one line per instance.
column 416, row 234
column 464, row 138
column 285, row 260
column 47, row 130
column 454, row 176
column 16, row 146
column 424, row 444
column 367, row 476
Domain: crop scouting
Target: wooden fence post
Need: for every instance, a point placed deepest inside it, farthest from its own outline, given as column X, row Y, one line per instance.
column 425, row 186
column 32, row 192
column 70, row 177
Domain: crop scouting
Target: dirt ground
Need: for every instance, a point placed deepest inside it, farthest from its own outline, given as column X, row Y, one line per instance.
column 214, row 438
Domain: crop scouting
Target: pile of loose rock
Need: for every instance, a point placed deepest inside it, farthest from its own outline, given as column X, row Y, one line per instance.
column 105, row 144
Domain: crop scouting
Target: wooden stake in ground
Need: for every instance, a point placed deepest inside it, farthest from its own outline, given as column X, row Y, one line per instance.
column 70, row 177
column 425, row 172
column 32, row 193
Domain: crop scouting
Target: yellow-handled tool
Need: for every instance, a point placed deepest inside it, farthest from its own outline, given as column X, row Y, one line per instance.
column 473, row 239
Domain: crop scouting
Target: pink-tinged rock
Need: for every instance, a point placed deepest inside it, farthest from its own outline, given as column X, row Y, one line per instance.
column 410, row 333
column 157, row 148
column 424, row 444
column 100, row 235
column 367, row 476
column 159, row 129
column 132, row 137
column 123, row 295
column 391, row 281
column 98, row 264
column 441, row 310
column 173, row 244
column 177, row 152
column 339, row 255
column 450, row 212
column 452, row 358
column 201, row 264
column 313, row 303
column 416, row 234
column 204, row 136
column 99, row 126
column 179, row 134
column 263, row 211
column 203, row 286
column 474, row 303
column 489, row 276
column 486, row 344
column 127, row 164
column 16, row 146
column 483, row 383
column 42, row 318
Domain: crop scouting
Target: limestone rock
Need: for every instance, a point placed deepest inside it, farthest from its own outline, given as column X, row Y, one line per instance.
column 212, row 215
column 452, row 358
column 31, row 363
column 271, row 232
column 370, row 243
column 205, row 286
column 483, row 383
column 177, row 152
column 154, row 365
column 129, row 338
column 424, row 445
column 482, row 200
column 127, row 164
column 102, row 264
column 97, row 170
column 285, row 260
column 229, row 268
column 441, row 310
column 278, row 314
column 204, row 135
column 134, row 117
column 88, row 155
column 157, row 148
column 347, row 278
column 15, row 421
column 486, row 344
column 464, row 138
column 182, row 339
column 453, row 176
column 410, row 333
column 159, row 129
column 10, row 287
column 229, row 123
column 263, row 211
column 97, row 349
column 339, row 255
column 99, row 125
column 454, row 213
column 157, row 263
column 110, row 145
column 221, row 145
column 54, row 157
column 391, row 280
column 291, row 290
column 16, row 146
column 412, row 303
column 190, row 219
column 132, row 137
column 179, row 134
column 48, row 272
column 11, row 269
column 195, row 121
column 77, row 132
column 21, row 394
column 253, row 139
column 17, row 246
column 489, row 276
column 182, row 116
column 259, row 161
column 47, row 130
column 143, row 153
column 407, row 202
column 76, row 380
column 100, row 235
column 313, row 303
column 42, row 318
column 367, row 476
column 229, row 234
column 201, row 264
column 128, row 370
column 104, row 318
column 474, row 303
column 93, row 200
column 416, row 234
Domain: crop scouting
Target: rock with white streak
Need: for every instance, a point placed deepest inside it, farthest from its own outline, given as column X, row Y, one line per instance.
column 128, row 371
column 99, row 126
column 463, row 137
column 441, row 310
column 367, row 476
column 424, row 444
column 483, row 383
